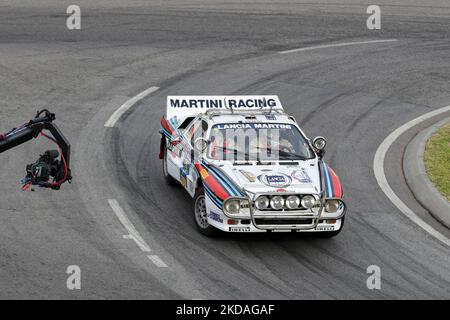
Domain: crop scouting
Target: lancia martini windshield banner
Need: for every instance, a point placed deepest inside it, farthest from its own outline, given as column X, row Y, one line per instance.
column 225, row 126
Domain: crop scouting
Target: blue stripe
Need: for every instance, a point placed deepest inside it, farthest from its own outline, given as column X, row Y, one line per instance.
column 224, row 179
column 166, row 133
column 172, row 122
column 217, row 204
column 170, row 136
column 212, row 197
column 327, row 177
column 218, row 177
column 227, row 188
column 232, row 191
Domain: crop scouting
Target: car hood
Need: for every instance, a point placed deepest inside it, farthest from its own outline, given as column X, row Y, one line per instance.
column 301, row 177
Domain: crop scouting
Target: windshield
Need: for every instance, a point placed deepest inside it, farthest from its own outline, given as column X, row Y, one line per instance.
column 258, row 142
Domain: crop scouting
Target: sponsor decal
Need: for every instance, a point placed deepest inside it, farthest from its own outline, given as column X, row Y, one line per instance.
column 280, row 190
column 224, row 102
column 301, row 176
column 250, row 176
column 271, row 117
column 239, row 229
column 331, row 228
column 204, row 173
column 190, row 185
column 215, row 216
column 277, row 180
column 183, row 179
column 186, row 168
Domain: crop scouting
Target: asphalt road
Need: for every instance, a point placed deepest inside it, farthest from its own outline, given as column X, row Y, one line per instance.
column 354, row 95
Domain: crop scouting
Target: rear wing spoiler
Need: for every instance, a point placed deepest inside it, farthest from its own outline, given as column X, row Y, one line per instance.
column 181, row 107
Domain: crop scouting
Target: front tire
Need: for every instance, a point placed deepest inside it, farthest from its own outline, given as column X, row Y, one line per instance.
column 201, row 215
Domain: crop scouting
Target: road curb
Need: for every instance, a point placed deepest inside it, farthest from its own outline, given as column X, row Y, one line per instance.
column 417, row 179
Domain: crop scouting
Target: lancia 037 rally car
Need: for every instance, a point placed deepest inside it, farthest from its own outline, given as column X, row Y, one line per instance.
column 248, row 166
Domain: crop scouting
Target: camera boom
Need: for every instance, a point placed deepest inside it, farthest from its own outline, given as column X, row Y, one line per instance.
column 48, row 171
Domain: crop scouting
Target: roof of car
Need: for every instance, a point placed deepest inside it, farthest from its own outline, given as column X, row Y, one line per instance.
column 262, row 117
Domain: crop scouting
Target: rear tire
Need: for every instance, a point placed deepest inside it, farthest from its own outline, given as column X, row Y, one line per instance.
column 167, row 177
column 331, row 234
column 201, row 215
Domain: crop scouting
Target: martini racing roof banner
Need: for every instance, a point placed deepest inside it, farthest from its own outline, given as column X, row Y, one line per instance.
column 188, row 106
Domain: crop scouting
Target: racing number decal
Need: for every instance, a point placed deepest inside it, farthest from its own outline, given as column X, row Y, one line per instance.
column 183, row 179
column 204, row 174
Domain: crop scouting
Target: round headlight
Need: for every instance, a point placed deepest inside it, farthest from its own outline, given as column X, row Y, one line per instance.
column 232, row 206
column 262, row 203
column 319, row 143
column 277, row 202
column 292, row 202
column 332, row 206
column 308, row 202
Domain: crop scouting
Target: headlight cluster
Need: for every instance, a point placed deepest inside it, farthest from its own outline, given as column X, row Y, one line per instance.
column 290, row 202
column 235, row 206
column 332, row 205
column 241, row 207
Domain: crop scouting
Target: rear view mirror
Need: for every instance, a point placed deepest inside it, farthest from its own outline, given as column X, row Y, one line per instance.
column 319, row 144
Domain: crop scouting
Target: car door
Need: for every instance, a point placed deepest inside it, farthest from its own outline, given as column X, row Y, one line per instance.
column 188, row 174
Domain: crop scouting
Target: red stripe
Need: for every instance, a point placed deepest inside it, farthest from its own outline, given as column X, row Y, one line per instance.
column 212, row 183
column 166, row 125
column 336, row 183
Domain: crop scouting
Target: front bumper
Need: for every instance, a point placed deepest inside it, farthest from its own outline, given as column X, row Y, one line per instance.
column 317, row 220
column 295, row 220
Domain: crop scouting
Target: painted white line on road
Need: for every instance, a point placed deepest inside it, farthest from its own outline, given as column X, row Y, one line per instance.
column 157, row 261
column 139, row 243
column 335, row 45
column 133, row 233
column 127, row 105
column 378, row 168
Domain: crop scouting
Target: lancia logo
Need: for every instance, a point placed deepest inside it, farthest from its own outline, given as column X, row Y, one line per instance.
column 278, row 180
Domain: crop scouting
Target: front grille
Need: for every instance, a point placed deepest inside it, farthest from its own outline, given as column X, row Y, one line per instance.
column 283, row 221
column 286, row 210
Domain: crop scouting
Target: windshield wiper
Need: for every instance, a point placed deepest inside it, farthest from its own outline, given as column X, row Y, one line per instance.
column 292, row 156
column 234, row 151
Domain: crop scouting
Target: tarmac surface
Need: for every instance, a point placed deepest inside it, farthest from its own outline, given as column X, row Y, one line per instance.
column 353, row 95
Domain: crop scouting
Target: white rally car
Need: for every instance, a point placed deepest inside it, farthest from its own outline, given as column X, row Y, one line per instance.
column 249, row 167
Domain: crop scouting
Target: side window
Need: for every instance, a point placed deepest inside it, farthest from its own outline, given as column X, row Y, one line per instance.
column 186, row 123
column 204, row 128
